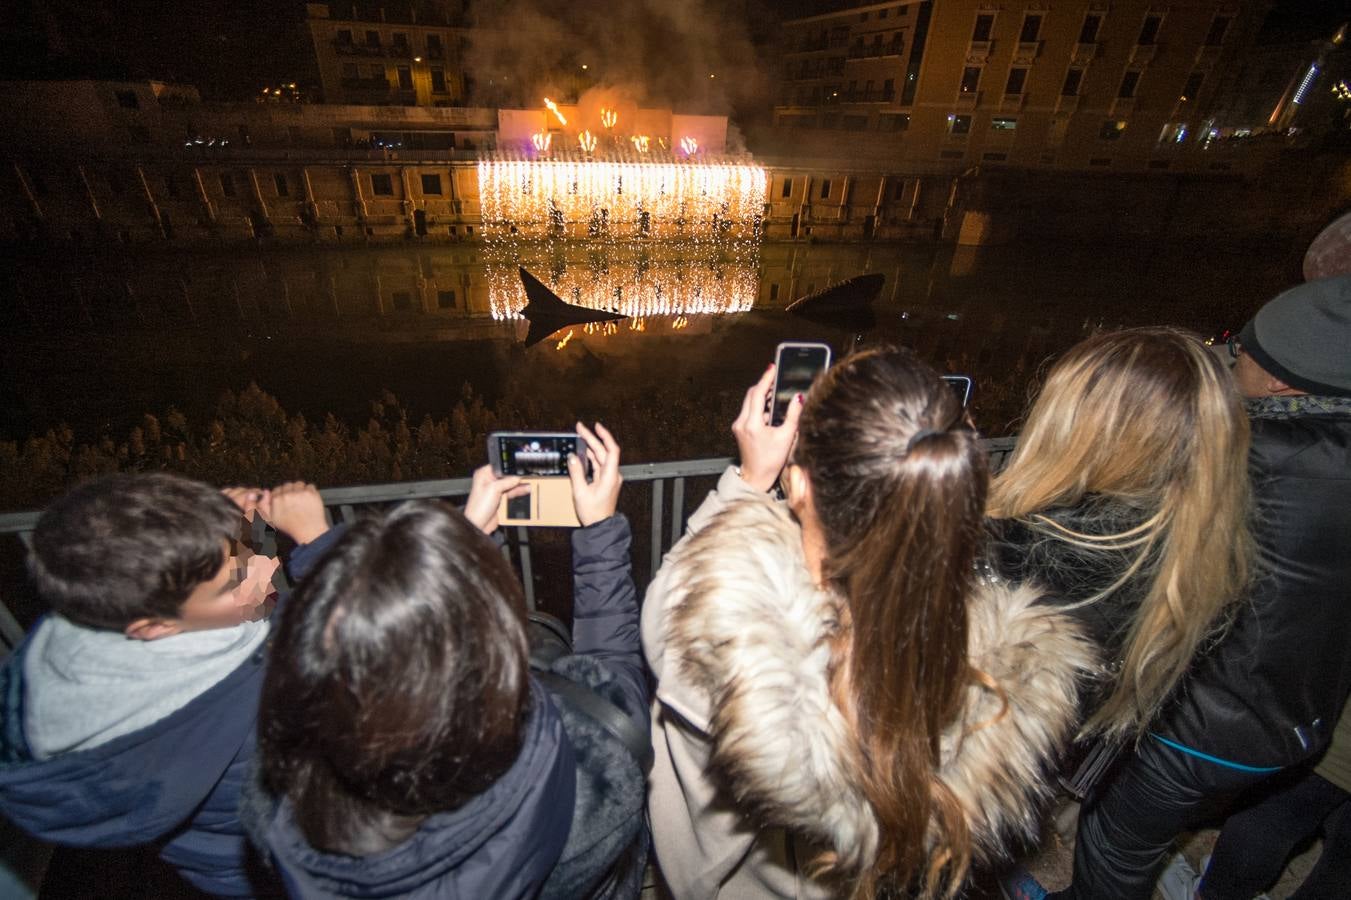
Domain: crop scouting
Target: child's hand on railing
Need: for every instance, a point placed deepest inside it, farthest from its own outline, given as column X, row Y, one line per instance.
column 296, row 510
column 597, row 500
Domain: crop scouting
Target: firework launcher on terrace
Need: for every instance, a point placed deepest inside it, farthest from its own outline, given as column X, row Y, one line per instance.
column 678, row 222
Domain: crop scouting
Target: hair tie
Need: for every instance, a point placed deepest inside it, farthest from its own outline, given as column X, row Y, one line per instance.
column 919, row 436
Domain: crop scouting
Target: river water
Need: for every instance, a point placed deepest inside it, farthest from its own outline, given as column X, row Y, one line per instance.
column 95, row 341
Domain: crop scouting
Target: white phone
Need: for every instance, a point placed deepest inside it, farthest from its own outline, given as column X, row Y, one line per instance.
column 796, row 365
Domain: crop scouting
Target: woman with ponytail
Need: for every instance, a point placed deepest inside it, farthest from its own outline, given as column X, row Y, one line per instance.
column 1128, row 499
column 844, row 707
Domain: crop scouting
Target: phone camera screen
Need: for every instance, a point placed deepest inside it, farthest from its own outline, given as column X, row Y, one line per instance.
column 536, row 456
column 798, row 368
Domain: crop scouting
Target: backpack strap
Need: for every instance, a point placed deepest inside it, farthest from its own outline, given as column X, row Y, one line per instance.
column 608, row 716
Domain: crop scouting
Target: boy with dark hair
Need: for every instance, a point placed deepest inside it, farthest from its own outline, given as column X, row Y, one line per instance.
column 128, row 713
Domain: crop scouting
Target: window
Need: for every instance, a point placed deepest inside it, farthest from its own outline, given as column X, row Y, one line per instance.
column 1017, row 79
column 1111, row 129
column 372, row 39
column 893, row 122
column 128, row 100
column 283, row 188
column 350, row 72
column 1003, row 123
column 993, row 157
column 445, row 299
column 227, row 184
column 825, row 188
column 1129, row 82
column 431, row 185
column 787, row 188
column 970, row 79
column 1149, row 31
column 1218, row 26
column 882, row 13
column 405, row 78
column 959, row 124
column 434, row 48
column 1031, row 28
column 401, row 40
column 1088, row 33
column 984, row 27
column 345, row 36
column 171, row 185
column 1073, row 79
column 439, row 81
column 889, row 89
column 403, row 301
column 1192, row 87
column 382, row 185
column 774, row 290
column 839, row 36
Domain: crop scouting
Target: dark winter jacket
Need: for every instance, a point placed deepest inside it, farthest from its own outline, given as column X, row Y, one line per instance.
column 1022, row 552
column 554, row 823
column 175, row 783
column 1269, row 695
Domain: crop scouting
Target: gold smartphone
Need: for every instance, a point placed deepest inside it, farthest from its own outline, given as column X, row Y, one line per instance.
column 540, row 458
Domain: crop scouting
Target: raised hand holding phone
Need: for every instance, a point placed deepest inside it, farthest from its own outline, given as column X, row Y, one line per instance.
column 763, row 447
column 486, row 491
column 597, row 499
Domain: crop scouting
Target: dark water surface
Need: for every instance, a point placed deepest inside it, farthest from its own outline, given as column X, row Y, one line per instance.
column 95, row 341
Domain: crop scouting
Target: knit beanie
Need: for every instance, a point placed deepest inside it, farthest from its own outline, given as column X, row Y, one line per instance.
column 1303, row 337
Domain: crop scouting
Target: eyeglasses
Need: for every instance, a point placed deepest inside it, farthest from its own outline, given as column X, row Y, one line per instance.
column 1235, row 348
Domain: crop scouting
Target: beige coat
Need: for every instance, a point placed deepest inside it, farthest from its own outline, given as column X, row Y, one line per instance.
column 753, row 773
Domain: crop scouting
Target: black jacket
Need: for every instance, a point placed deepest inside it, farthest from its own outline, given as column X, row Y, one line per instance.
column 1270, row 693
column 1021, row 552
column 558, row 820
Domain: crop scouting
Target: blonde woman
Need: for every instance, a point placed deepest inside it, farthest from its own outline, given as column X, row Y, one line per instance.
column 1128, row 497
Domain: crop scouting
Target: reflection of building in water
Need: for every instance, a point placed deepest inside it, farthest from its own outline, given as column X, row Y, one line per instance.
column 633, row 278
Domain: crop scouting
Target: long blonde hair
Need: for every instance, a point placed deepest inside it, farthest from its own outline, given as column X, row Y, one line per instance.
column 1149, row 417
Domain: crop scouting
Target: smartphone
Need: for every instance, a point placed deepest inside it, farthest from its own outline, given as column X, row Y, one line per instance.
column 540, row 458
column 961, row 386
column 796, row 366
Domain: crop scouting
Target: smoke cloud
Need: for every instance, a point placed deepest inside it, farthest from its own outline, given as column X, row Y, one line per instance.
column 695, row 57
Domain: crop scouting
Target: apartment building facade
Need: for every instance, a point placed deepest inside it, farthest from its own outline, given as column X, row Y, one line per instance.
column 950, row 84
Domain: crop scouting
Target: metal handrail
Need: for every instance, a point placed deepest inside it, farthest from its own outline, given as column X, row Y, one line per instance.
column 342, row 505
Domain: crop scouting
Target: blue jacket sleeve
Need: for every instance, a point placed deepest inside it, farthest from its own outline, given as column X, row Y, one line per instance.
column 305, row 556
column 605, row 606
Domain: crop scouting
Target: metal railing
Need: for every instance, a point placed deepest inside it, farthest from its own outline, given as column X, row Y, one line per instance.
column 665, row 521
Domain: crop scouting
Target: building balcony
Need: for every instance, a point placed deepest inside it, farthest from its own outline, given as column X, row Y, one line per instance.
column 1027, row 51
column 1143, row 53
column 366, row 85
column 874, row 52
column 1207, row 57
column 979, row 50
column 1083, row 54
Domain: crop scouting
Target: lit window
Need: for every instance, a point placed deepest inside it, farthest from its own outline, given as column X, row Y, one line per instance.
column 1003, row 123
column 1111, row 129
column 959, row 124
column 970, row 79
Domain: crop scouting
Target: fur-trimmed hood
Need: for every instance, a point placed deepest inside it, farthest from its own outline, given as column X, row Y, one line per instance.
column 748, row 629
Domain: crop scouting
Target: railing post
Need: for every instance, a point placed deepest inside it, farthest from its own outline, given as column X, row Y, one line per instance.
column 527, row 572
column 677, row 509
column 657, row 491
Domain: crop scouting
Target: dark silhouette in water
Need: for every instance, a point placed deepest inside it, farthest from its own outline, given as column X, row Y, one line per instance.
column 547, row 312
column 846, row 305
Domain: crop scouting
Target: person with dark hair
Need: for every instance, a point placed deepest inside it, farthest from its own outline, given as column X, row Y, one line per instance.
column 1266, row 697
column 129, row 711
column 844, row 706
column 407, row 746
